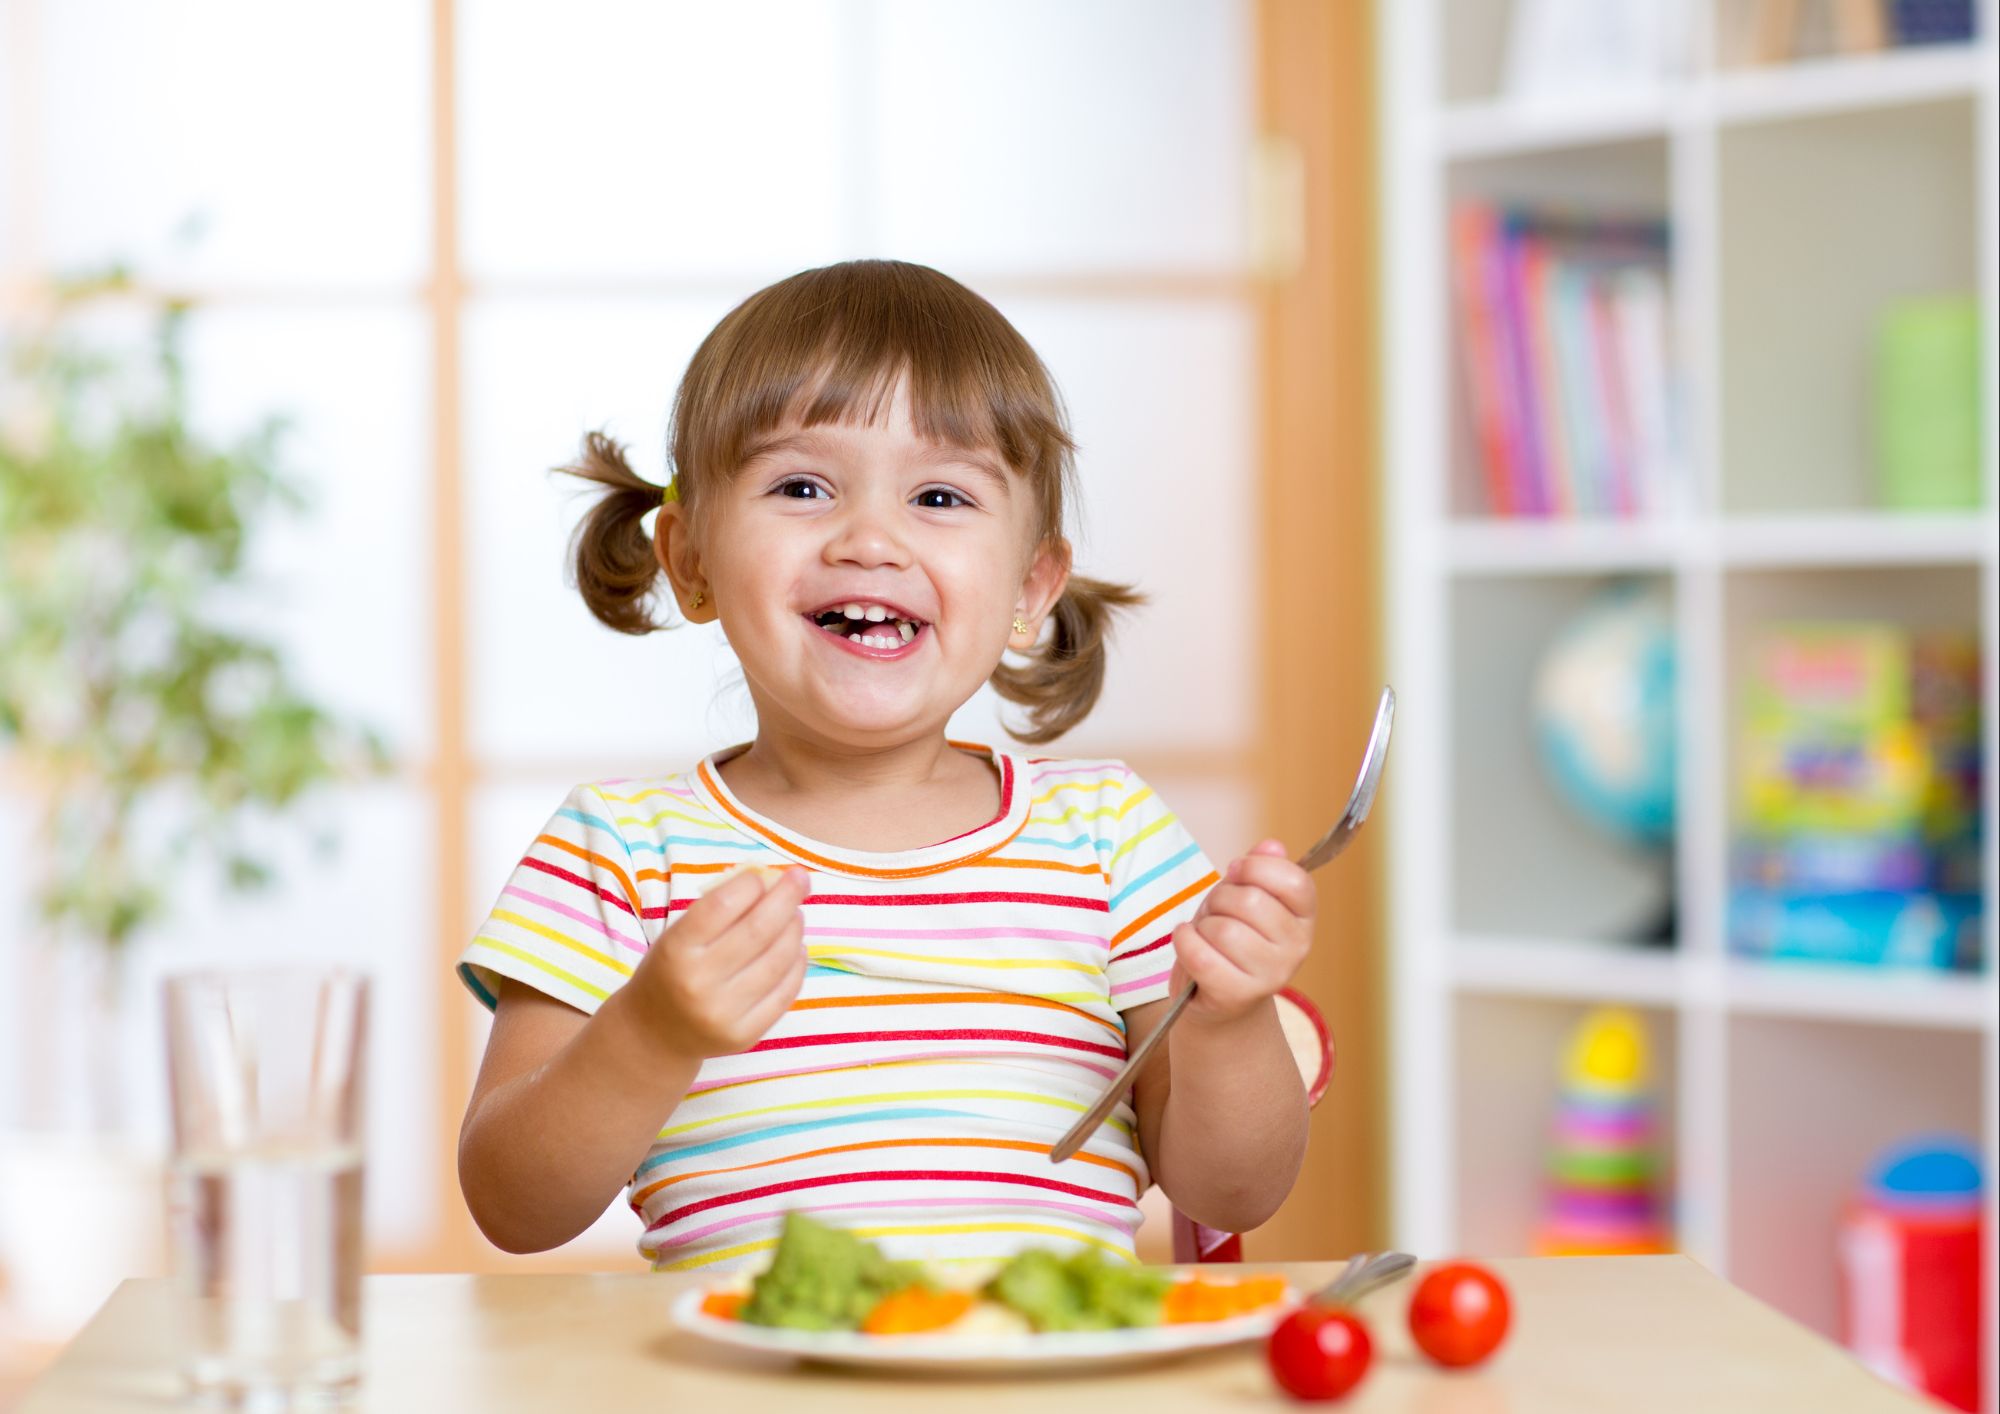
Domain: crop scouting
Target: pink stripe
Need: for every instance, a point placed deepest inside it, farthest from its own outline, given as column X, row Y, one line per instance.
column 575, row 916
column 1054, row 934
column 850, row 1064
column 1109, row 772
column 1110, row 1220
column 1142, row 982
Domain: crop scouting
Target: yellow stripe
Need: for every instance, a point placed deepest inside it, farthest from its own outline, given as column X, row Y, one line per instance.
column 840, row 1101
column 1146, row 794
column 815, row 951
column 635, row 799
column 601, row 959
column 707, row 822
column 1103, row 812
column 1040, row 1229
column 1150, row 830
column 1108, row 783
column 508, row 948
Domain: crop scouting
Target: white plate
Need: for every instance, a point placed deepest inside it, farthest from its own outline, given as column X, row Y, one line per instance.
column 1012, row 1354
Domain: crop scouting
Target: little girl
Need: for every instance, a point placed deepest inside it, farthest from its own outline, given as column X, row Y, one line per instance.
column 943, row 949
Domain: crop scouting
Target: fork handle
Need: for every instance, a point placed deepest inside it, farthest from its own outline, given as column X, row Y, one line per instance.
column 1115, row 1091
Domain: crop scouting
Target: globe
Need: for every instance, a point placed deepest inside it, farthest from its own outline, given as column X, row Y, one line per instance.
column 1604, row 714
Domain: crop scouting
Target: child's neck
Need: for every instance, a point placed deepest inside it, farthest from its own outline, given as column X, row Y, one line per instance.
column 883, row 800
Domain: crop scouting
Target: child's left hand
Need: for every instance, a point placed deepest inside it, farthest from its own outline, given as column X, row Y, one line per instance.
column 1253, row 930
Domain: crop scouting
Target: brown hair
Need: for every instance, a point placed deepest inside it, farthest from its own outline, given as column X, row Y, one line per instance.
column 829, row 345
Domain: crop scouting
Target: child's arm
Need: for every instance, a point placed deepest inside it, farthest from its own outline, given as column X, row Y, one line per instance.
column 566, row 1105
column 1222, row 1109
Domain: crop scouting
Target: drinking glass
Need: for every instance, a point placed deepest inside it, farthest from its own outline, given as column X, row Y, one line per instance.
column 265, row 1071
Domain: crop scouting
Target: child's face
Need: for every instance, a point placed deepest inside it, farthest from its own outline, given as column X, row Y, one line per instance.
column 940, row 537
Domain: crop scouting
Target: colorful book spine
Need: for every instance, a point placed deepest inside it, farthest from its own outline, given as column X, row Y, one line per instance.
column 1562, row 326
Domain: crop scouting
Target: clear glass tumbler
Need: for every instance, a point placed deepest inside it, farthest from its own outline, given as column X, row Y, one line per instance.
column 265, row 1068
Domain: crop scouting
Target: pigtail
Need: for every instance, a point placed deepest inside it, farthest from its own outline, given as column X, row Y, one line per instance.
column 611, row 550
column 1060, row 681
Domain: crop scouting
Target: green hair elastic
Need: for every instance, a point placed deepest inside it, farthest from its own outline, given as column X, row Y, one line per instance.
column 671, row 492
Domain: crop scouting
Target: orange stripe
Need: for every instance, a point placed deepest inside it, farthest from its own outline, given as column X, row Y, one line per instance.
column 1154, row 912
column 591, row 856
column 791, row 846
column 1002, row 998
column 715, row 868
column 650, row 1189
column 1059, row 868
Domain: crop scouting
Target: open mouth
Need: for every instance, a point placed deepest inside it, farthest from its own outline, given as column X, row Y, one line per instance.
column 869, row 624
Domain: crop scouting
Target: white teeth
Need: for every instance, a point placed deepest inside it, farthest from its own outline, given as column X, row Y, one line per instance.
column 906, row 629
column 854, row 611
column 876, row 641
column 876, row 613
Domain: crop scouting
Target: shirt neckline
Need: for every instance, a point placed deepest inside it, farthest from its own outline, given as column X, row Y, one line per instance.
column 870, row 864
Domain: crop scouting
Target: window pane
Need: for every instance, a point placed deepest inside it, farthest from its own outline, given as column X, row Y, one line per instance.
column 296, row 131
column 1046, row 134
column 651, row 139
column 1169, row 504
column 547, row 680
column 345, row 586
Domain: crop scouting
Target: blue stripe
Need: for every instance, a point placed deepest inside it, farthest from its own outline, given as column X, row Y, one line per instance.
column 592, row 822
column 1151, row 874
column 778, row 1130
column 1078, row 843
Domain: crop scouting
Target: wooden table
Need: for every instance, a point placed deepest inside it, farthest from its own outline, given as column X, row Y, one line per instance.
column 1590, row 1334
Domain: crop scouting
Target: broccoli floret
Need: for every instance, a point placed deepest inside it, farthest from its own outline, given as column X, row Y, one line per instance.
column 1081, row 1292
column 824, row 1279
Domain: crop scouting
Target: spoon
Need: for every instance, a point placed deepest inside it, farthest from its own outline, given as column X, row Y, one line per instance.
column 1323, row 851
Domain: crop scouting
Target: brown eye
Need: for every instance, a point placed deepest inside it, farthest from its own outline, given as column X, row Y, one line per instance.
column 940, row 498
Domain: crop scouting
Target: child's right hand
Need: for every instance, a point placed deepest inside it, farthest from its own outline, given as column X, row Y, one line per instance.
column 716, row 981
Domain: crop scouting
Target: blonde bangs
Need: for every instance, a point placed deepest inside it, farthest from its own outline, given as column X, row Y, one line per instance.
column 831, row 345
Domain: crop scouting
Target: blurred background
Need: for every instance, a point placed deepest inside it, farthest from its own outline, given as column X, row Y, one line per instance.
column 1615, row 378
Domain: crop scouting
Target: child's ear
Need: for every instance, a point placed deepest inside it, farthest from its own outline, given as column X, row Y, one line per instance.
column 674, row 548
column 1048, row 573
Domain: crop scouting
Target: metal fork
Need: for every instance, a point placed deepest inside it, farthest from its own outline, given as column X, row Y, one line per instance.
column 1329, row 844
column 1362, row 1275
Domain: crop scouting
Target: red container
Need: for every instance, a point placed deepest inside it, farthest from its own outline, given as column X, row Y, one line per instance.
column 1909, row 1264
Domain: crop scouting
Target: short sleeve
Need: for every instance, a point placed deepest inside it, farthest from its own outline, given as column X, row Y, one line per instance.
column 1158, row 879
column 571, row 920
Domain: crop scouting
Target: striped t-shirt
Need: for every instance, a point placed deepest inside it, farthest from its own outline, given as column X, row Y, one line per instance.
column 961, row 1008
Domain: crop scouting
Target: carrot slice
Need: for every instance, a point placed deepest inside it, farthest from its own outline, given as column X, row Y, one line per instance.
column 726, row 1304
column 1199, row 1299
column 916, row 1308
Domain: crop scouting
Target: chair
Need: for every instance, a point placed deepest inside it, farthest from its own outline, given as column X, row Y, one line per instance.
column 1312, row 1047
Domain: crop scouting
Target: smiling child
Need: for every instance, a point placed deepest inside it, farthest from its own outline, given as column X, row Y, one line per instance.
column 943, row 950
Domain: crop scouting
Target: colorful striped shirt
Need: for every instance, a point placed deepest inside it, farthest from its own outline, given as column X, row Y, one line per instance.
column 962, row 1006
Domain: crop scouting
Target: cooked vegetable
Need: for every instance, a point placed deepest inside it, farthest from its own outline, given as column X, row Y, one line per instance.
column 1198, row 1299
column 916, row 1308
column 726, row 1304
column 824, row 1279
column 1080, row 1292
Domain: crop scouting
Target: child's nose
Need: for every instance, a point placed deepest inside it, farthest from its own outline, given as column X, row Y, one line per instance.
column 866, row 534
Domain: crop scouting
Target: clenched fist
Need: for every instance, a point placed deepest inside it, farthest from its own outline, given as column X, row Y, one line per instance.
column 716, row 981
column 1249, row 937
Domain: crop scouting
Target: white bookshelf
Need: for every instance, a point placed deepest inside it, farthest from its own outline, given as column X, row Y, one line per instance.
column 1800, row 198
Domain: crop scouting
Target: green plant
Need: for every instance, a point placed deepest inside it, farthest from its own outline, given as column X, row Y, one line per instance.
column 132, row 699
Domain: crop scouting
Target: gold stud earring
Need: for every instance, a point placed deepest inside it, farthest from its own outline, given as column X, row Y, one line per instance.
column 695, row 603
column 1019, row 627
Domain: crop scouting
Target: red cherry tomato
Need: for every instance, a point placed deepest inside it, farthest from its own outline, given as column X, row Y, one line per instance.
column 1459, row 1314
column 1319, row 1352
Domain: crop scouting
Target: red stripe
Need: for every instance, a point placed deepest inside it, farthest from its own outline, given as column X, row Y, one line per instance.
column 1094, row 905
column 582, row 883
column 1040, row 1038
column 1141, row 952
column 887, row 1176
